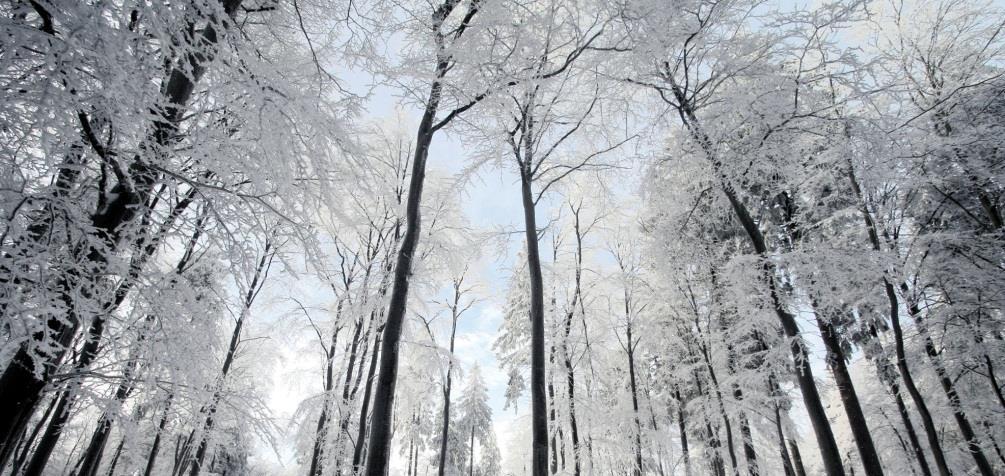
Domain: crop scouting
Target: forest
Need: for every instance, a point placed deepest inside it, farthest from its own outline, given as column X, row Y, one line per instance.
column 502, row 237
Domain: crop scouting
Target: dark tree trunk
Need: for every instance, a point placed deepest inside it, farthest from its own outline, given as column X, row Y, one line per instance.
column 50, row 437
column 849, row 398
column 27, row 442
column 782, row 448
column 966, row 430
column 115, row 457
column 712, row 438
column 682, row 428
column 727, row 426
column 380, row 437
column 92, row 455
column 471, row 465
column 566, row 357
column 551, row 413
column 261, row 272
column 358, row 455
column 320, row 431
column 539, row 400
column 905, row 372
column 155, row 447
column 829, row 452
column 445, row 428
column 630, row 348
column 797, row 460
column 748, row 446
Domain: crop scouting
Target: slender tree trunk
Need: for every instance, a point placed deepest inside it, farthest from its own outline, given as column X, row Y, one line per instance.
column 155, row 447
column 797, row 460
column 630, row 347
column 445, row 427
column 966, row 430
column 829, row 452
column 380, row 436
column 551, row 413
column 539, row 400
column 471, row 464
column 748, row 446
column 782, row 448
column 573, row 426
column 682, row 428
column 261, row 273
column 727, row 426
column 849, row 398
column 115, row 457
column 718, row 465
column 320, row 430
column 26, row 442
column 905, row 372
column 358, row 455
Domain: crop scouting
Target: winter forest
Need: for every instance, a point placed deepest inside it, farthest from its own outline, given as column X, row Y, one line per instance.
column 502, row 237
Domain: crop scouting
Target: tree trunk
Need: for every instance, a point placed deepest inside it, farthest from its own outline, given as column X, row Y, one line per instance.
column 261, row 272
column 829, row 452
column 849, row 398
column 539, row 401
column 905, row 372
column 782, row 448
column 357, row 456
column 155, row 448
column 682, row 428
column 115, row 457
column 630, row 348
column 445, row 428
column 966, row 430
column 320, row 430
column 797, row 460
column 379, row 446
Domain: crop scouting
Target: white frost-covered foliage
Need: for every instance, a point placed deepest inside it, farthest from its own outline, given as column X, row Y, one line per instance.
column 204, row 203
